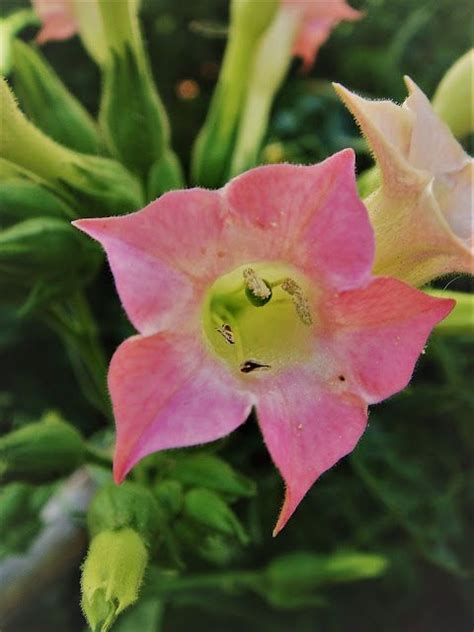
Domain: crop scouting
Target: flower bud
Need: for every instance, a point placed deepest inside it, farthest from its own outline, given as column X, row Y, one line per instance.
column 292, row 580
column 41, row 451
column 92, row 184
column 207, row 470
column 165, row 175
column 453, row 100
column 461, row 319
column 24, row 196
column 49, row 104
column 169, row 496
column 45, row 258
column 137, row 128
column 209, row 510
column 112, row 575
column 124, row 506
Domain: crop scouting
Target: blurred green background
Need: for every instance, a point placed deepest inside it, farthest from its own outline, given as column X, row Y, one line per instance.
column 405, row 492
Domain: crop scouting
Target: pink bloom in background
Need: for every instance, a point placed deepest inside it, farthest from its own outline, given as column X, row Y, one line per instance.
column 258, row 295
column 318, row 19
column 58, row 20
column 423, row 212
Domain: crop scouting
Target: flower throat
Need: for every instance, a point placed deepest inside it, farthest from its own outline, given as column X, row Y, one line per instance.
column 258, row 317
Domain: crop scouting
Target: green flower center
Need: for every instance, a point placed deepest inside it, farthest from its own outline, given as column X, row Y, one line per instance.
column 259, row 317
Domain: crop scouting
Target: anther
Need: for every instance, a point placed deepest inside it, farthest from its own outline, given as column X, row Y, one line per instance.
column 252, row 365
column 257, row 289
column 226, row 332
column 300, row 301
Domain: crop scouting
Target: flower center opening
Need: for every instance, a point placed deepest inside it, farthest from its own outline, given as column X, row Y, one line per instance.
column 259, row 317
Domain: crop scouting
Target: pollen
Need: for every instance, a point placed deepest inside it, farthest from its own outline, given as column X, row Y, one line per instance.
column 300, row 301
column 257, row 287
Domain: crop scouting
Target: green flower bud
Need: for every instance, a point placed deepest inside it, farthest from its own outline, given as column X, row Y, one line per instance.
column 94, row 185
column 137, row 128
column 169, row 496
column 206, row 470
column 20, row 506
column 213, row 547
column 165, row 175
column 41, row 451
column 290, row 580
column 49, row 104
column 209, row 510
column 23, row 195
column 454, row 98
column 128, row 505
column 45, row 258
column 461, row 319
column 111, row 576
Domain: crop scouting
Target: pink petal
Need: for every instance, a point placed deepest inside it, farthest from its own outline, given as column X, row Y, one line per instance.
column 58, row 20
column 168, row 393
column 319, row 19
column 307, row 429
column 310, row 216
column 381, row 331
column 159, row 254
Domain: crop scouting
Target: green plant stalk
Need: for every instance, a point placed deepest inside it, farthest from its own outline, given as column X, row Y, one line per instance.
column 213, row 148
column 272, row 61
column 9, row 28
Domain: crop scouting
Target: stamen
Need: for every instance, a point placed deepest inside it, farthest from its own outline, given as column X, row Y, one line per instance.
column 257, row 289
column 226, row 331
column 300, row 301
column 252, row 365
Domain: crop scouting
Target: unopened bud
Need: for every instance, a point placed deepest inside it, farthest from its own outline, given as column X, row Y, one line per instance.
column 41, row 452
column 91, row 184
column 44, row 258
column 128, row 505
column 208, row 509
column 165, row 175
column 24, row 195
column 49, row 104
column 208, row 470
column 169, row 496
column 291, row 580
column 111, row 576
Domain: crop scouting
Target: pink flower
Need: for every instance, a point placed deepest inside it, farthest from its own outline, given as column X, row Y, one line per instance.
column 318, row 19
column 58, row 19
column 422, row 213
column 258, row 295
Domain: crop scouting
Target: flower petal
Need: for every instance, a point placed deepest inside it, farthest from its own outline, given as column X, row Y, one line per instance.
column 307, row 429
column 168, row 393
column 381, row 331
column 433, row 146
column 387, row 128
column 158, row 255
column 58, row 20
column 311, row 216
column 319, row 18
